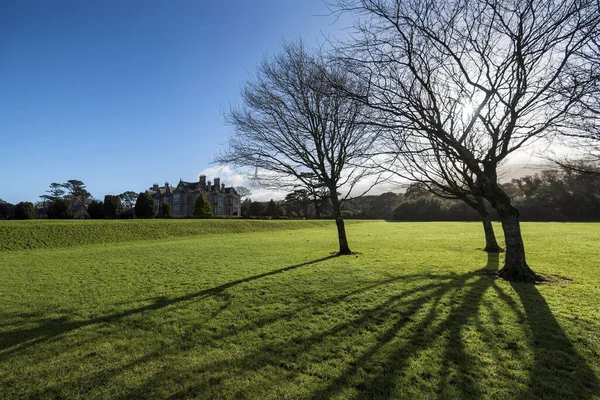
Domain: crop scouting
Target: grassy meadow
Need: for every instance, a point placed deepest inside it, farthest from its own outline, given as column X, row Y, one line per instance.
column 212, row 309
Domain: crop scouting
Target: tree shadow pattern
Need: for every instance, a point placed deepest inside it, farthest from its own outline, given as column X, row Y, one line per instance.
column 382, row 351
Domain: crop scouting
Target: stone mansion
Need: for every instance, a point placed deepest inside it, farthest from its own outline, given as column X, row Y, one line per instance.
column 224, row 201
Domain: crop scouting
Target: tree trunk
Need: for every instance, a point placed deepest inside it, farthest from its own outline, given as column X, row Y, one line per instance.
column 317, row 207
column 491, row 245
column 339, row 222
column 515, row 266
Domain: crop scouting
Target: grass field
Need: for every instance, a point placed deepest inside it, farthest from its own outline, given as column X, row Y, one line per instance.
column 205, row 309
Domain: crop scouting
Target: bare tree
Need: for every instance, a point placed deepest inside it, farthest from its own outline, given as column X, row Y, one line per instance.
column 583, row 135
column 296, row 127
column 474, row 81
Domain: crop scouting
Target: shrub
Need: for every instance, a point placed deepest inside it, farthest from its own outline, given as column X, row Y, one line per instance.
column 166, row 209
column 203, row 208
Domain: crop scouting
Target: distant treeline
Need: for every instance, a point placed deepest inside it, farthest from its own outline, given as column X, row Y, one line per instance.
column 551, row 195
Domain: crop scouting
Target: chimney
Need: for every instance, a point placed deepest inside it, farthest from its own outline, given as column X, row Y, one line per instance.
column 217, row 183
column 208, row 186
column 155, row 187
column 202, row 180
column 222, row 187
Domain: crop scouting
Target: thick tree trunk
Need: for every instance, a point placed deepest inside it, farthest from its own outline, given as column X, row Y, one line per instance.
column 341, row 228
column 515, row 266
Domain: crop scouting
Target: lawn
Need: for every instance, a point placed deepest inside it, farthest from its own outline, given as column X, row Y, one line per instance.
column 265, row 311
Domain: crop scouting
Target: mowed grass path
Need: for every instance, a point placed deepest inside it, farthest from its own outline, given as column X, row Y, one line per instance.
column 271, row 314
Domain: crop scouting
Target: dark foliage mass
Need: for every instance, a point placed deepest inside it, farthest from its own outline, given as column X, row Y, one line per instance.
column 145, row 206
column 96, row 209
column 24, row 210
column 551, row 195
column 166, row 209
column 60, row 209
column 7, row 210
column 112, row 206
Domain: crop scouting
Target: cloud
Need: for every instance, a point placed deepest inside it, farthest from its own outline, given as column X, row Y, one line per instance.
column 233, row 178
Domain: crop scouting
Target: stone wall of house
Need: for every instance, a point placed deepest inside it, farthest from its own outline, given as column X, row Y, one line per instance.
column 224, row 201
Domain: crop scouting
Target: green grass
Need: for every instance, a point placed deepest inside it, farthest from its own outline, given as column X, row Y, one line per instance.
column 268, row 313
column 36, row 234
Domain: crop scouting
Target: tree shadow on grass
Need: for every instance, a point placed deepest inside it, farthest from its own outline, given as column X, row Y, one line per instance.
column 47, row 329
column 445, row 311
column 442, row 311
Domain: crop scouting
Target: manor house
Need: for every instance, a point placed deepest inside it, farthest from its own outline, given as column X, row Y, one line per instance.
column 224, row 201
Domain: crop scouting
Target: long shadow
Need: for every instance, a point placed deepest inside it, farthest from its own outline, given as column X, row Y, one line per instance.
column 554, row 354
column 452, row 302
column 402, row 309
column 19, row 339
column 372, row 377
column 382, row 385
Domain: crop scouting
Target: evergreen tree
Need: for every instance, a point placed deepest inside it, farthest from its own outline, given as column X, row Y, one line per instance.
column 96, row 209
column 273, row 210
column 203, row 208
column 166, row 209
column 112, row 206
column 24, row 210
column 145, row 206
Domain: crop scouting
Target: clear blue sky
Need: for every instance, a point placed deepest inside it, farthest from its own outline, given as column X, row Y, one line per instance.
column 122, row 94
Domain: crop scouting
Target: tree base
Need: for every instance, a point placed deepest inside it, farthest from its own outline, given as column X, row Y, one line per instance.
column 520, row 274
column 493, row 249
column 344, row 253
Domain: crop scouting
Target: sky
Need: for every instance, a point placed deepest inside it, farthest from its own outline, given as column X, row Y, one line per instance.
column 124, row 94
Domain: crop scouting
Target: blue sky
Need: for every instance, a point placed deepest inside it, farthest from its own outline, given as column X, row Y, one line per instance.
column 122, row 94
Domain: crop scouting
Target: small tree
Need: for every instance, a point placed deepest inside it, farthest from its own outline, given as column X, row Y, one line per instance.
column 24, row 210
column 273, row 209
column 96, row 209
column 166, row 209
column 203, row 208
column 145, row 206
column 112, row 206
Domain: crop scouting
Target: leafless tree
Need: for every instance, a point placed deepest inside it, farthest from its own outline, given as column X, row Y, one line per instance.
column 296, row 127
column 584, row 133
column 474, row 81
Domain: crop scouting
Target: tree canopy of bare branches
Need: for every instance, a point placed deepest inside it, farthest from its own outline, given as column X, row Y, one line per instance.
column 297, row 128
column 461, row 84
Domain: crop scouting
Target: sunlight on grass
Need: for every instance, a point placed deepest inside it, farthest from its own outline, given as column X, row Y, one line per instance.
column 271, row 314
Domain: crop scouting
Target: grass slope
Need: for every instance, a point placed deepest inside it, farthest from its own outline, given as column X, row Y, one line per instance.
column 17, row 235
column 270, row 314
